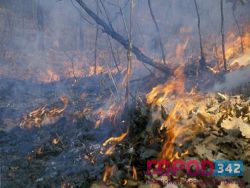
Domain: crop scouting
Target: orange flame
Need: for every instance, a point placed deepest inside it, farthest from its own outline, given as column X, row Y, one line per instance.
column 134, row 176
column 115, row 139
column 112, row 141
column 233, row 51
column 99, row 69
column 49, row 76
column 44, row 115
column 233, row 44
column 108, row 172
column 110, row 150
column 161, row 92
column 110, row 111
column 176, row 131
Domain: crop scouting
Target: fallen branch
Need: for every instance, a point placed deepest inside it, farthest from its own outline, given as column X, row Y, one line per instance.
column 124, row 42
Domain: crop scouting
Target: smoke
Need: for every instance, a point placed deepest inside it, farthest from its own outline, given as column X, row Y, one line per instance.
column 38, row 42
column 234, row 79
column 41, row 35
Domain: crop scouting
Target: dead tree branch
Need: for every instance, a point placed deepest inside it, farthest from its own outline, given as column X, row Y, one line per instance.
column 158, row 31
column 127, row 32
column 124, row 42
column 110, row 43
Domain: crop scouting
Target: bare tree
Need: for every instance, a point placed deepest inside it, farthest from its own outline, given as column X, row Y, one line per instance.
column 96, row 36
column 223, row 35
column 109, row 40
column 202, row 60
column 40, row 25
column 129, row 54
column 238, row 26
column 158, row 31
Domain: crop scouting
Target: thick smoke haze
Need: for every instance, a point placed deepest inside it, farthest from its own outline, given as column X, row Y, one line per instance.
column 234, row 79
column 37, row 29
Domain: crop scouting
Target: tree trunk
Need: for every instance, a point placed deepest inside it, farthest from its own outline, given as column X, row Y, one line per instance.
column 129, row 54
column 223, row 36
column 96, row 36
column 202, row 60
column 40, row 25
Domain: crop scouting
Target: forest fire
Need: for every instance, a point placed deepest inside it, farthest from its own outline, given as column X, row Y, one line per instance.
column 173, row 87
column 238, row 49
column 183, row 103
column 89, row 96
column 69, row 72
column 177, row 130
column 234, row 48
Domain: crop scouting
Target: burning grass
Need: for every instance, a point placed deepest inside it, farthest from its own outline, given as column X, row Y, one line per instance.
column 182, row 125
column 44, row 115
column 171, row 123
column 208, row 126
